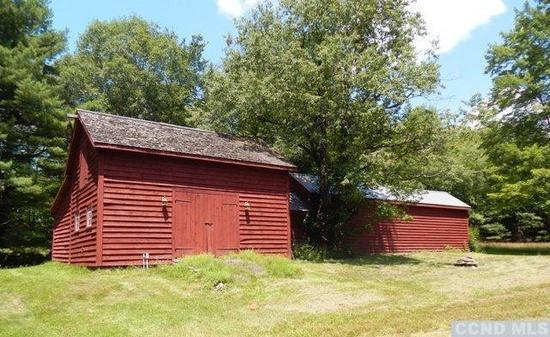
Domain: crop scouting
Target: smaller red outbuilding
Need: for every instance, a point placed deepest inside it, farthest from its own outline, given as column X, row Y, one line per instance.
column 436, row 221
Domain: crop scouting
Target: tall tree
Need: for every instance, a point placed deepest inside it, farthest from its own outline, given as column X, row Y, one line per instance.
column 329, row 84
column 134, row 68
column 520, row 67
column 517, row 129
column 459, row 167
column 32, row 121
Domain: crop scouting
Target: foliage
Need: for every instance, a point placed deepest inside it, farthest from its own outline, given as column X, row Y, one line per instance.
column 328, row 84
column 23, row 256
column 520, row 66
column 32, row 121
column 519, row 194
column 460, row 164
column 494, row 231
column 473, row 239
column 134, row 68
column 309, row 252
column 513, row 128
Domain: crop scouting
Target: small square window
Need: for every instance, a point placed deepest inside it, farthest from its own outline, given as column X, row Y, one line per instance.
column 89, row 216
column 76, row 221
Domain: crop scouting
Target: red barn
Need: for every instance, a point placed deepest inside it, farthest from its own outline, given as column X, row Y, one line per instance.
column 133, row 187
column 437, row 220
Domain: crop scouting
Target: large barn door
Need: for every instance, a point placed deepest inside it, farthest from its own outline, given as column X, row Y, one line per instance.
column 205, row 222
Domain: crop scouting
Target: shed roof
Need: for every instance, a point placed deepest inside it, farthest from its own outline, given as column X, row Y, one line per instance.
column 426, row 197
column 125, row 132
column 297, row 204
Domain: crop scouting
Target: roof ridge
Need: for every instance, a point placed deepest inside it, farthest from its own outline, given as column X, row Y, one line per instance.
column 221, row 134
column 148, row 121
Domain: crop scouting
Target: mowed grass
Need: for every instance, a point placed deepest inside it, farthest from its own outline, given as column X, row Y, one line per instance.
column 416, row 294
column 516, row 248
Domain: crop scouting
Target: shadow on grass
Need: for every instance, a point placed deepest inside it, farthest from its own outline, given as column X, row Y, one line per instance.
column 378, row 260
column 515, row 249
column 23, row 256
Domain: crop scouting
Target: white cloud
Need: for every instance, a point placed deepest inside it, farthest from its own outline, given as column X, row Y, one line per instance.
column 448, row 21
column 235, row 8
column 452, row 21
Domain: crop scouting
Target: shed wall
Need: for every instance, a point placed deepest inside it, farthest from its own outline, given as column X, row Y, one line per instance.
column 431, row 228
column 68, row 245
column 135, row 221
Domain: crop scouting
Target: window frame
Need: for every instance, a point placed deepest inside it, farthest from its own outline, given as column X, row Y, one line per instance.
column 89, row 216
column 76, row 221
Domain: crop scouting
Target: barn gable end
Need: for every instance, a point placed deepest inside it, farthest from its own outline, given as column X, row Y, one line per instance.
column 77, row 198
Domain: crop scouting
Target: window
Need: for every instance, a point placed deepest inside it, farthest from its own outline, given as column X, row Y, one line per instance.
column 76, row 221
column 89, row 216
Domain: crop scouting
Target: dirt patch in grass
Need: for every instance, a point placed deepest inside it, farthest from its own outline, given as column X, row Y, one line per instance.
column 249, row 266
column 11, row 305
column 320, row 298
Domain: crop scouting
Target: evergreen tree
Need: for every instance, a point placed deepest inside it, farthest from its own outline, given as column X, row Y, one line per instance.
column 32, row 121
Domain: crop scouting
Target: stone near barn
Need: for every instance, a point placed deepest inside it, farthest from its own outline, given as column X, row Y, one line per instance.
column 466, row 261
column 220, row 286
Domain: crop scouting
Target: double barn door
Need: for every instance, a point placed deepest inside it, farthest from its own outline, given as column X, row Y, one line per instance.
column 205, row 222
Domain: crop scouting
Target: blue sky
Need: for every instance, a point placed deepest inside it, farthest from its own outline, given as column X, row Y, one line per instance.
column 464, row 29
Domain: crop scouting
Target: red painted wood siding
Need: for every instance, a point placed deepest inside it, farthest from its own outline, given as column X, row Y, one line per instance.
column 135, row 221
column 431, row 228
column 68, row 245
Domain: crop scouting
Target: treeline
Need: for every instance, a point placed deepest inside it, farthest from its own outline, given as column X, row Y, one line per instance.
column 329, row 84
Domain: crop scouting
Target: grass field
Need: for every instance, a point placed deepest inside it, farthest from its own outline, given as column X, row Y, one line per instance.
column 516, row 248
column 384, row 295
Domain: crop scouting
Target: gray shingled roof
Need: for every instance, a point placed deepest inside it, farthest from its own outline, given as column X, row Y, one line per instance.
column 311, row 183
column 106, row 129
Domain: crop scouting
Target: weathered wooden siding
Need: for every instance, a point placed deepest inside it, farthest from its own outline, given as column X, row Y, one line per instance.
column 136, row 221
column 68, row 245
column 431, row 228
column 61, row 241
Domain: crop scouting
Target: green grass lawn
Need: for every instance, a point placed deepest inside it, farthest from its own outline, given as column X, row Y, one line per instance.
column 384, row 295
column 516, row 248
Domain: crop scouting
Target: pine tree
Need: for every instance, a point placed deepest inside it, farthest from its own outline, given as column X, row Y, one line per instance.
column 32, row 121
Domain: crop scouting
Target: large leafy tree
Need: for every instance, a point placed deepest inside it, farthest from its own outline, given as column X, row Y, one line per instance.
column 518, row 201
column 459, row 167
column 134, row 68
column 32, row 121
column 329, row 84
column 517, row 134
column 520, row 67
